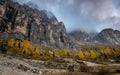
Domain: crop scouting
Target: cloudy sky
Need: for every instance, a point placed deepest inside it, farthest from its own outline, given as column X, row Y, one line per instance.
column 87, row 15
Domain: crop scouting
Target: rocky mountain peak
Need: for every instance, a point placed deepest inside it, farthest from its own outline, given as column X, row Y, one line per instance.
column 109, row 36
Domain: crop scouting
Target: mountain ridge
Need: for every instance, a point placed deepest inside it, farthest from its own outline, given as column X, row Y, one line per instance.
column 42, row 27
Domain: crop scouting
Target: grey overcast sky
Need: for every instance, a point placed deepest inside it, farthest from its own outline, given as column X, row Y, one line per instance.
column 87, row 15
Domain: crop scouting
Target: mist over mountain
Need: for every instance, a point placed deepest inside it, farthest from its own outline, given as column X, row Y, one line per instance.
column 85, row 15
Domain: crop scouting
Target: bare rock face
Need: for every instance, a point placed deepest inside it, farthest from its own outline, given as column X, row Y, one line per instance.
column 109, row 37
column 80, row 36
column 105, row 37
column 40, row 27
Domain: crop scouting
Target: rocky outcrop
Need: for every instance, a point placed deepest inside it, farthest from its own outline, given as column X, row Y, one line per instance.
column 40, row 27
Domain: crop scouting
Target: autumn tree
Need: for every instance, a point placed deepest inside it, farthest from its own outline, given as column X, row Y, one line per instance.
column 17, row 44
column 26, row 46
column 63, row 53
column 93, row 54
column 11, row 42
column 56, row 53
column 80, row 55
column 36, row 52
column 69, row 54
column 87, row 54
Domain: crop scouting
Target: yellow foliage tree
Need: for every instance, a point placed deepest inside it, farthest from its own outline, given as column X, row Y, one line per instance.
column 80, row 54
column 26, row 46
column 36, row 52
column 11, row 42
column 63, row 53
column 69, row 53
column 56, row 53
column 93, row 54
column 16, row 44
column 87, row 54
column 107, row 51
column 101, row 51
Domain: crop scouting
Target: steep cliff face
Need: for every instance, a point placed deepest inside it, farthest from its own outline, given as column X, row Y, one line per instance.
column 40, row 27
